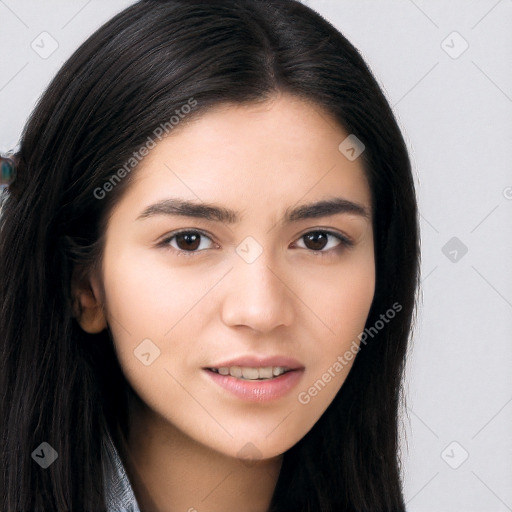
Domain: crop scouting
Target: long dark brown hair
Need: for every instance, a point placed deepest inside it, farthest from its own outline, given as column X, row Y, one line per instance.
column 62, row 386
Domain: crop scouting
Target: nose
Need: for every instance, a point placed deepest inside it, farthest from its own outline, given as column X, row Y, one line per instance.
column 258, row 296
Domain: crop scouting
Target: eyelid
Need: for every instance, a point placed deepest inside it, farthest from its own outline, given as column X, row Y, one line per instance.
column 165, row 241
column 329, row 231
column 345, row 241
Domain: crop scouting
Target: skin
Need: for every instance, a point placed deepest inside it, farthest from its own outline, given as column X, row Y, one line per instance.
column 187, row 435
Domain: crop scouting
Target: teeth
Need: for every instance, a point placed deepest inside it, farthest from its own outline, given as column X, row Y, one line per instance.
column 235, row 371
column 265, row 373
column 248, row 373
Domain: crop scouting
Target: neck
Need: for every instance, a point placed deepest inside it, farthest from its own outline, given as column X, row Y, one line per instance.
column 171, row 472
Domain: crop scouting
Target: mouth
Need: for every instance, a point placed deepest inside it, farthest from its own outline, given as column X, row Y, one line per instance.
column 252, row 373
column 256, row 380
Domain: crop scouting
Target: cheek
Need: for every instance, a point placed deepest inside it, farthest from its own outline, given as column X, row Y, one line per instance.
column 154, row 309
column 146, row 297
column 130, row 299
column 342, row 299
column 355, row 295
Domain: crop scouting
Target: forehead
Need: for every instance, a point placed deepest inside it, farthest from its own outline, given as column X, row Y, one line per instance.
column 271, row 154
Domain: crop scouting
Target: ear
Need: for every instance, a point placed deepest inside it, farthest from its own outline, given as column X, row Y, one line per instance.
column 87, row 305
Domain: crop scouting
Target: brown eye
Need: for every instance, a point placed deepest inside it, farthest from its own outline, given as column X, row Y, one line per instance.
column 319, row 241
column 186, row 243
column 315, row 241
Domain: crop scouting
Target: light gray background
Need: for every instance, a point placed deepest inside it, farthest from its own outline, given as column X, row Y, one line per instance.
column 455, row 109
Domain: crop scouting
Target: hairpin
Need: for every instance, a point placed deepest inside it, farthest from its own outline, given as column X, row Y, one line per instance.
column 7, row 171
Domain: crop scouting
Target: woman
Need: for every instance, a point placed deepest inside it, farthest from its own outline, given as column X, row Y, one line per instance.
column 209, row 261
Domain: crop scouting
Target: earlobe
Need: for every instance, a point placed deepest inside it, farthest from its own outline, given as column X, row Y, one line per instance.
column 87, row 307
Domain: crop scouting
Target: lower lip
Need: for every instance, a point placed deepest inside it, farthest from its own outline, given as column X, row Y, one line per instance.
column 258, row 390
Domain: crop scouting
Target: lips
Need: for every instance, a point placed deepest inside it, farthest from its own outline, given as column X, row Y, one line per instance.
column 256, row 378
column 257, row 390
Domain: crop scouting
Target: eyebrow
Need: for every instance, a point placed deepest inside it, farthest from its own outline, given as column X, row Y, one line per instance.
column 216, row 213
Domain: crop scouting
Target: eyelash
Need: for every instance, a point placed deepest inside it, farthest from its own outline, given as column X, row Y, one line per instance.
column 345, row 242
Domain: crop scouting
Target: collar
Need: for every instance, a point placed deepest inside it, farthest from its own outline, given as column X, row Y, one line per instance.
column 119, row 496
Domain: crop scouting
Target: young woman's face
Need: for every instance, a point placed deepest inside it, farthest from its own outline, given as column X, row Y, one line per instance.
column 267, row 286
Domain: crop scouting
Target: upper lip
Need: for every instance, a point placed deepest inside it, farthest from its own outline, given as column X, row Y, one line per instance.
column 260, row 362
